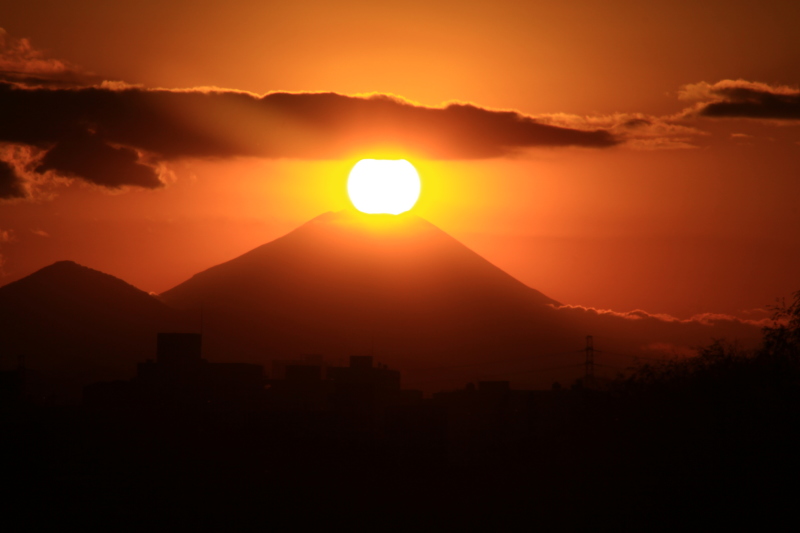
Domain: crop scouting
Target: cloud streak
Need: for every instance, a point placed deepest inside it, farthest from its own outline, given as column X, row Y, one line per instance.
column 647, row 334
column 20, row 63
column 636, row 130
column 743, row 99
column 702, row 319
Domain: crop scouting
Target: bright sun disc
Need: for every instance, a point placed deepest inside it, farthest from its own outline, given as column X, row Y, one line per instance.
column 383, row 186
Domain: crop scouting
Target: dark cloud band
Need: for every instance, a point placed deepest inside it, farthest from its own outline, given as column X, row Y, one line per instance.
column 745, row 99
column 114, row 137
column 756, row 105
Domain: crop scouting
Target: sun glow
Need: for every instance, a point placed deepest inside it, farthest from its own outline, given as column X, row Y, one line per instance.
column 383, row 186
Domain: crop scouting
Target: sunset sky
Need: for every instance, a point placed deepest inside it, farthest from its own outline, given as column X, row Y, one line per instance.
column 616, row 155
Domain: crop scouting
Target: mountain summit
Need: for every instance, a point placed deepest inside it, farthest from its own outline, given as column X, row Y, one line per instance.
column 67, row 288
column 346, row 255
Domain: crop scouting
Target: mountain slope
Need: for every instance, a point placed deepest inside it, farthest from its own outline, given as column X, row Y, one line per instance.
column 344, row 283
column 75, row 325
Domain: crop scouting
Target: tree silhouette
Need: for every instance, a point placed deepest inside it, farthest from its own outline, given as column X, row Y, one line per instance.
column 783, row 337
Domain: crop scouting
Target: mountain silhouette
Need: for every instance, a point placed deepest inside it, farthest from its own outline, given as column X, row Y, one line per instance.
column 74, row 325
column 400, row 288
column 346, row 283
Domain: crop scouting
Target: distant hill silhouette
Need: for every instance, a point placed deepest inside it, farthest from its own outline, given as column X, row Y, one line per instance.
column 74, row 325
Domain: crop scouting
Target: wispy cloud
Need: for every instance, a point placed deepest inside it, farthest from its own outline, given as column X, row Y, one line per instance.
column 635, row 130
column 21, row 63
column 705, row 319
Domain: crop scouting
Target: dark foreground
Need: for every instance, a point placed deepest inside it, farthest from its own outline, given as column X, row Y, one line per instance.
column 604, row 461
column 712, row 441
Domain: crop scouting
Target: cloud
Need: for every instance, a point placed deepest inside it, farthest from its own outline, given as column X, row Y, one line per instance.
column 743, row 99
column 704, row 319
column 635, row 130
column 88, row 157
column 724, row 99
column 10, row 182
column 6, row 236
column 20, row 63
column 640, row 333
column 61, row 122
column 19, row 178
column 118, row 135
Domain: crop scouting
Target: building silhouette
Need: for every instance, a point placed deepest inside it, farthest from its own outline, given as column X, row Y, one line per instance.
column 180, row 377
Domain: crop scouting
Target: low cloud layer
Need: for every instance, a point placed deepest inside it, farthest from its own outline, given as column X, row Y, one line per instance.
column 743, row 99
column 647, row 335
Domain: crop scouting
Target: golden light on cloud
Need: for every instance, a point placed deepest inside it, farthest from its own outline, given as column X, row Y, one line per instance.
column 383, row 186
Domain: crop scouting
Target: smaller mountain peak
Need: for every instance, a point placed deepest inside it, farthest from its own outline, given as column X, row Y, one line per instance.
column 67, row 267
column 67, row 285
column 66, row 263
column 69, row 275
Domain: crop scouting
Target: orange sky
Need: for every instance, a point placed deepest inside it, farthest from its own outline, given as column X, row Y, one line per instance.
column 685, row 215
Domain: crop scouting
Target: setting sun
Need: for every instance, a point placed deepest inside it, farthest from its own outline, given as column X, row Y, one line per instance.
column 383, row 186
